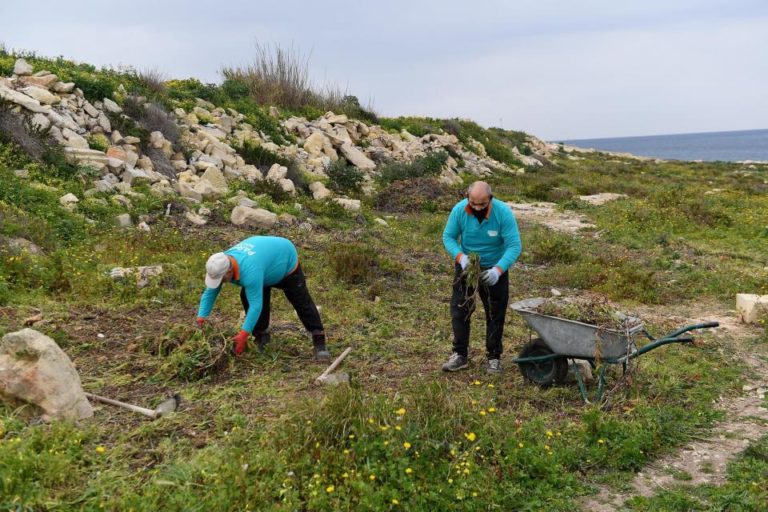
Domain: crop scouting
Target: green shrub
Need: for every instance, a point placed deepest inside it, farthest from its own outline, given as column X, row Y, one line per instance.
column 16, row 128
column 552, row 248
column 353, row 263
column 151, row 80
column 98, row 141
column 418, row 126
column 280, row 77
column 626, row 280
column 152, row 117
column 416, row 194
column 430, row 164
column 345, row 178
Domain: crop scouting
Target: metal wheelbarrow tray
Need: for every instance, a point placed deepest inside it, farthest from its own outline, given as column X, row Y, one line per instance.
column 544, row 360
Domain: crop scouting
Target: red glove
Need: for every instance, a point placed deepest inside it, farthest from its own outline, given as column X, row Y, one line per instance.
column 200, row 322
column 241, row 339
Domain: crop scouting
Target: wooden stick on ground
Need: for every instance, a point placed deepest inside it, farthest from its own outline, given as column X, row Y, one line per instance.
column 334, row 365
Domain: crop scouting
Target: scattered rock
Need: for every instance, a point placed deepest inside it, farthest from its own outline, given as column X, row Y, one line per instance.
column 33, row 369
column 602, row 198
column 22, row 67
column 319, row 190
column 124, row 220
column 68, row 200
column 751, row 308
column 252, row 217
column 195, row 219
column 349, row 204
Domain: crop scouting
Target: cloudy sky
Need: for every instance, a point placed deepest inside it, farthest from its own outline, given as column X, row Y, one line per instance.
column 558, row 69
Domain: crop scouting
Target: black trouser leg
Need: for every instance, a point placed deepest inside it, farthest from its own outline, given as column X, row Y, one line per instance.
column 295, row 288
column 262, row 324
column 495, row 299
column 460, row 313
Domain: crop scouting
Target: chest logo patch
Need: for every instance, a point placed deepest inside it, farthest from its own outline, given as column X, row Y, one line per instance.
column 493, row 233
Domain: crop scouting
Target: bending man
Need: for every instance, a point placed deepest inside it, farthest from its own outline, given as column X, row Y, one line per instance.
column 257, row 265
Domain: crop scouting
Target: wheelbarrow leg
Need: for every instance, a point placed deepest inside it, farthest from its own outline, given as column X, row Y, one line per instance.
column 600, row 385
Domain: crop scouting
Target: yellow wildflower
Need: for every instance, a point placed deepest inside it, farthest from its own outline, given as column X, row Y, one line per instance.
column 395, row 502
column 372, row 478
column 471, row 436
column 407, row 445
column 100, row 449
column 491, row 409
column 408, row 471
column 520, row 445
column 400, row 412
column 330, row 488
column 482, row 413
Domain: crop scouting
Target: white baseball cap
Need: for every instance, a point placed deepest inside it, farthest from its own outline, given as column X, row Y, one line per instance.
column 215, row 269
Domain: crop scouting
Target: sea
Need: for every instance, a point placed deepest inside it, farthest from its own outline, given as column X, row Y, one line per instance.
column 734, row 146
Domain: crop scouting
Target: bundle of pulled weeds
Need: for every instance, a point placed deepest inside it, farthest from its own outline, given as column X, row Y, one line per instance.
column 592, row 311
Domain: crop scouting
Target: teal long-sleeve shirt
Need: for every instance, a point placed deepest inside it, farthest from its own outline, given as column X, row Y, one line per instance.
column 261, row 261
column 496, row 239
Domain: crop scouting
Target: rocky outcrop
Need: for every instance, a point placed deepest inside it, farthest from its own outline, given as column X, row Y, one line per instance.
column 34, row 370
column 211, row 135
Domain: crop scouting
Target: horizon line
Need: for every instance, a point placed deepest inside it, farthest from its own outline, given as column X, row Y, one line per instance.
column 656, row 135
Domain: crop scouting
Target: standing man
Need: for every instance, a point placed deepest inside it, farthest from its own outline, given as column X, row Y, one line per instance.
column 486, row 226
column 257, row 265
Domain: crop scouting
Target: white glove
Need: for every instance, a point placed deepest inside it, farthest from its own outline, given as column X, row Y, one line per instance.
column 490, row 277
column 464, row 261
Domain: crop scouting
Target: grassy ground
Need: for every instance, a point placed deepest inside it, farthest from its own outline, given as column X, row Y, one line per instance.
column 254, row 433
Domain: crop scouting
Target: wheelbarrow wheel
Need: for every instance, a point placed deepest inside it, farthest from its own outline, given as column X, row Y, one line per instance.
column 542, row 373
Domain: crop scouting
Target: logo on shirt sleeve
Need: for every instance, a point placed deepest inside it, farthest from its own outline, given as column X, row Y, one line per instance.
column 493, row 233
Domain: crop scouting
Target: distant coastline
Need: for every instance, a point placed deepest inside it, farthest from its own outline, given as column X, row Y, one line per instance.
column 733, row 146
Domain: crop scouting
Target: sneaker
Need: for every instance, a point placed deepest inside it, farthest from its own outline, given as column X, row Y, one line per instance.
column 455, row 363
column 494, row 366
column 319, row 348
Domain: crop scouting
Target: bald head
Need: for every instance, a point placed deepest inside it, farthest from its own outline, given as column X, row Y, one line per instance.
column 479, row 195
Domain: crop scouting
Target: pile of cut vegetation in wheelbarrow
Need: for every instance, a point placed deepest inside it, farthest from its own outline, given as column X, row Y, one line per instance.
column 587, row 310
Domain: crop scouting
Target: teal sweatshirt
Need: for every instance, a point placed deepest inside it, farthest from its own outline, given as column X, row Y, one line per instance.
column 496, row 239
column 260, row 261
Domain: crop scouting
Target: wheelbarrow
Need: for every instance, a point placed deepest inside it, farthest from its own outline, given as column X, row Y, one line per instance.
column 544, row 359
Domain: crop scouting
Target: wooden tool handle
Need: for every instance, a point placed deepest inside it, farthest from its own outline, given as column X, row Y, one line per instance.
column 336, row 363
column 130, row 407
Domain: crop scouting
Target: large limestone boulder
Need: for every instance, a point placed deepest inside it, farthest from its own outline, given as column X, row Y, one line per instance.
column 33, row 369
column 22, row 67
column 29, row 103
column 751, row 307
column 348, row 204
column 357, row 158
column 318, row 145
column 216, row 178
column 277, row 172
column 319, row 190
column 287, row 186
column 44, row 96
column 253, row 217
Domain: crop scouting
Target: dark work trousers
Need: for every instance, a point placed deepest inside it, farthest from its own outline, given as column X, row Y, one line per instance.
column 295, row 288
column 495, row 299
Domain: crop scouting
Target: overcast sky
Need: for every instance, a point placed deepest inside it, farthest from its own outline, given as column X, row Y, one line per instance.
column 558, row 69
